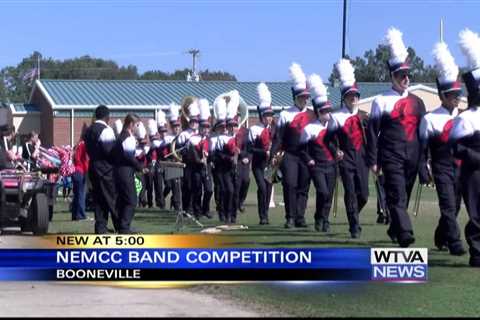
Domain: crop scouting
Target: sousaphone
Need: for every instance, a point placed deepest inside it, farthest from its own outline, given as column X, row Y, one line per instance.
column 184, row 113
column 232, row 97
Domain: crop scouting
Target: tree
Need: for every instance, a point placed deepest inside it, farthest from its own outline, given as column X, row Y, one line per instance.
column 15, row 88
column 372, row 67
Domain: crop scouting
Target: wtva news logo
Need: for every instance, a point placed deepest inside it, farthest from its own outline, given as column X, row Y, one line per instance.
column 399, row 265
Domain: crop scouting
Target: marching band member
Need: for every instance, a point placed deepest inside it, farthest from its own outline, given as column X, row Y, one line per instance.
column 226, row 152
column 259, row 144
column 465, row 139
column 141, row 152
column 242, row 177
column 165, row 154
column 151, row 157
column 126, row 164
column 319, row 152
column 346, row 126
column 295, row 176
column 182, row 141
column 434, row 130
column 99, row 140
column 220, row 128
column 155, row 154
column 393, row 144
column 199, row 147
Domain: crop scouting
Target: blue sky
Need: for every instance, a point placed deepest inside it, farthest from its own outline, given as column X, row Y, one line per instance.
column 255, row 40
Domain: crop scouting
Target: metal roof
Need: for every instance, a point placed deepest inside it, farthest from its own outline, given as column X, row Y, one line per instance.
column 161, row 93
column 25, row 107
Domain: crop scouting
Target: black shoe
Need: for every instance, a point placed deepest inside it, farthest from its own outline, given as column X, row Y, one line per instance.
column 457, row 249
column 440, row 243
column 221, row 218
column 387, row 219
column 207, row 214
column 318, row 226
column 392, row 236
column 475, row 262
column 381, row 219
column 301, row 224
column 233, row 220
column 263, row 222
column 288, row 224
column 355, row 234
column 405, row 240
column 241, row 208
column 326, row 226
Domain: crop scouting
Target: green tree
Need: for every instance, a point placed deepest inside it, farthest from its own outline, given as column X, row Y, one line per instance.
column 14, row 88
column 372, row 67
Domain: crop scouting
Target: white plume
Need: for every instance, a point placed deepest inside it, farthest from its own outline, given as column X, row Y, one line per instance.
column 220, row 108
column 470, row 45
column 161, row 119
column 152, row 127
column 117, row 126
column 398, row 51
column 317, row 88
column 298, row 77
column 232, row 105
column 444, row 63
column 346, row 72
column 140, row 131
column 204, row 109
column 174, row 111
column 264, row 95
column 193, row 108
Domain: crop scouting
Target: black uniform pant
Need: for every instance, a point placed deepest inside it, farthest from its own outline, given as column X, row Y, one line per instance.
column 355, row 186
column 227, row 193
column 324, row 181
column 264, row 191
column 104, row 198
column 126, row 196
column 202, row 186
column 449, row 200
column 174, row 186
column 470, row 182
column 399, row 181
column 296, row 183
column 187, row 188
column 242, row 183
column 217, row 194
column 381, row 196
column 159, row 185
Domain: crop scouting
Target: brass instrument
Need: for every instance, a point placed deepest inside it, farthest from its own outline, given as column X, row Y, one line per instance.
column 232, row 96
column 184, row 113
column 272, row 174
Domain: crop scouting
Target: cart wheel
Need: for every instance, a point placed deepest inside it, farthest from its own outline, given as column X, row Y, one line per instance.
column 40, row 214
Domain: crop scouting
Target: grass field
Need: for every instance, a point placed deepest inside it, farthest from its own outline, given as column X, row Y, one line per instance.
column 453, row 288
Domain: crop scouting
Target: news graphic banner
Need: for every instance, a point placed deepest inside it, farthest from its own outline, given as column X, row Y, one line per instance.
column 201, row 258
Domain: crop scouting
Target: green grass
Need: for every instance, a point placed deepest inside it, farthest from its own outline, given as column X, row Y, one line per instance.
column 453, row 288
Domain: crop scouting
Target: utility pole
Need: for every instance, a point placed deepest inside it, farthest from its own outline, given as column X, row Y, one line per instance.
column 344, row 26
column 194, row 53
